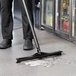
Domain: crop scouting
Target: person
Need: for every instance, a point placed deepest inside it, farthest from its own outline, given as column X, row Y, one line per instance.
column 7, row 24
column 37, row 12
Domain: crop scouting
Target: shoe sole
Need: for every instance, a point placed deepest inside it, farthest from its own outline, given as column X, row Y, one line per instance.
column 6, row 47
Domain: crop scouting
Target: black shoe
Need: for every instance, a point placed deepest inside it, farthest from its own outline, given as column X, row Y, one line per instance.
column 28, row 45
column 6, row 43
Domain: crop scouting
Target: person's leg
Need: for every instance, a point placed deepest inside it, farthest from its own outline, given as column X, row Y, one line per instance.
column 26, row 27
column 6, row 23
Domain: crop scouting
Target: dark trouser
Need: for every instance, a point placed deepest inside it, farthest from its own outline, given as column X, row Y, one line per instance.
column 7, row 19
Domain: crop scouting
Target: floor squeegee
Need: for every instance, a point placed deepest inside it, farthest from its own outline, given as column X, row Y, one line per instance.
column 39, row 54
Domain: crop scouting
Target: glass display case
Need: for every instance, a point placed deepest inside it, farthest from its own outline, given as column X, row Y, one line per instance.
column 62, row 15
column 57, row 14
column 63, row 18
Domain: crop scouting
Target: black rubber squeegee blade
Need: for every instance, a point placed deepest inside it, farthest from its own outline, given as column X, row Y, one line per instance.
column 39, row 56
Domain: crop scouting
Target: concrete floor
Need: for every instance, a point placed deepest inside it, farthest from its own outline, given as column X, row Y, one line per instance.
column 64, row 66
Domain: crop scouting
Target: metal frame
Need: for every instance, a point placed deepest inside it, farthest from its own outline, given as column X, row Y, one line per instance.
column 73, row 38
column 70, row 32
column 54, row 3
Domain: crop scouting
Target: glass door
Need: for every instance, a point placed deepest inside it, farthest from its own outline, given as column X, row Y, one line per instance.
column 62, row 17
column 57, row 14
column 47, row 13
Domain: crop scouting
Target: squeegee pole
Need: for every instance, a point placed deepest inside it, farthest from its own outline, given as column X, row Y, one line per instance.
column 32, row 29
